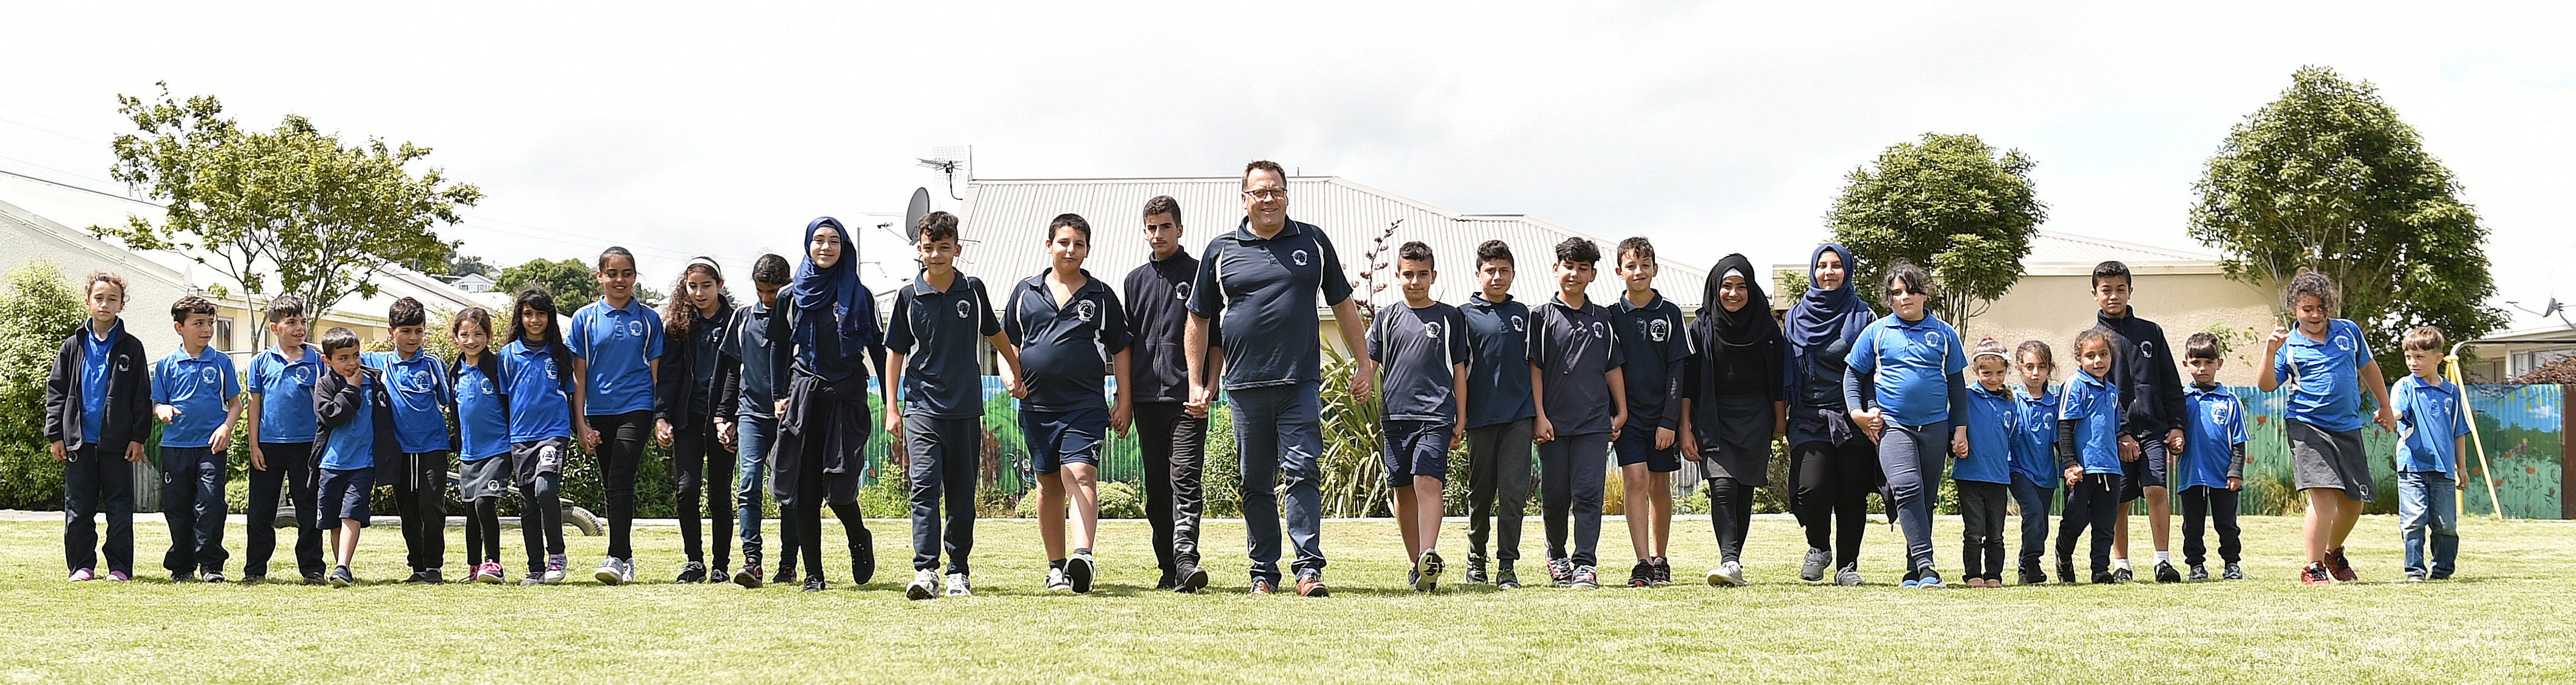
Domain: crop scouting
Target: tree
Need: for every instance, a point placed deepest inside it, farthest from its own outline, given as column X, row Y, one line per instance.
column 1946, row 203
column 326, row 218
column 2327, row 178
column 572, row 282
column 38, row 309
column 468, row 265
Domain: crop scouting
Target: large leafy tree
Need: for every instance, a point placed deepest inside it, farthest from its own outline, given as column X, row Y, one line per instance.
column 324, row 219
column 569, row 280
column 1948, row 203
column 2327, row 178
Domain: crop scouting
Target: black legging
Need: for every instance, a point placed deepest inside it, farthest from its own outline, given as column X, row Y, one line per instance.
column 802, row 522
column 1833, row 495
column 621, row 449
column 1731, row 513
column 541, row 518
column 702, row 467
column 483, row 531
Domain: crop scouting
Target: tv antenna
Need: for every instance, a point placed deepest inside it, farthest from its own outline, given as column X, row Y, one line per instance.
column 949, row 162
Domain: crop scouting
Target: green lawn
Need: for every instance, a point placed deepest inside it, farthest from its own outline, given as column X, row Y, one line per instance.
column 2510, row 616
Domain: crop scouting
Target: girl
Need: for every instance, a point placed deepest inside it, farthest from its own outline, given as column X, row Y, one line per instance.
column 2325, row 364
column 545, row 405
column 2034, row 453
column 1733, row 404
column 1984, row 472
column 482, row 413
column 1903, row 386
column 617, row 347
column 823, row 422
column 1835, row 466
column 695, row 420
column 2088, row 453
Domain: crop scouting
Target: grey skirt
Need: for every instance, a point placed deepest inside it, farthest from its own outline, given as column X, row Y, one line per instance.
column 2322, row 458
column 1735, row 439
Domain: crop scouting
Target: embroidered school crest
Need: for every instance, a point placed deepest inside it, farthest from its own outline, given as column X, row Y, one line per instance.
column 1658, row 329
column 1600, row 331
column 207, row 375
column 418, row 381
column 2343, row 342
column 965, row 310
column 1519, row 324
column 301, row 376
column 635, row 328
column 1085, row 309
column 1431, row 329
column 2146, row 350
column 1182, row 293
column 1298, row 256
column 1932, row 337
column 2220, row 413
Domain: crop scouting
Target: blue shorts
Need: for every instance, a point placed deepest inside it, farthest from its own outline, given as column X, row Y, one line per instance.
column 1636, row 445
column 343, row 495
column 1057, row 438
column 2147, row 472
column 1416, row 448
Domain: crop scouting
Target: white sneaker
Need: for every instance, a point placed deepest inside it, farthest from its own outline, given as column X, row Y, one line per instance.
column 1056, row 581
column 925, row 584
column 614, row 571
column 1729, row 574
column 957, row 586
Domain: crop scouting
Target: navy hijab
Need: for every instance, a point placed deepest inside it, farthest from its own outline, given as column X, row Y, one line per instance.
column 834, row 292
column 1824, row 316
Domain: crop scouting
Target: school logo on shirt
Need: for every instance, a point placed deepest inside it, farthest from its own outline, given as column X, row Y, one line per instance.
column 206, row 376
column 301, row 376
column 1298, row 256
column 1658, row 329
column 1183, row 293
column 635, row 328
column 1431, row 329
column 2146, row 350
column 418, row 381
column 1932, row 338
column 1519, row 324
column 1600, row 331
column 2343, row 342
column 550, row 369
column 965, row 310
column 1085, row 309
column 122, row 364
column 2220, row 412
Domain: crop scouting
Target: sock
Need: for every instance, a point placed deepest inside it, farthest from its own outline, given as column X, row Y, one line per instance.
column 2122, row 564
column 1057, row 564
column 2164, row 557
column 1086, row 551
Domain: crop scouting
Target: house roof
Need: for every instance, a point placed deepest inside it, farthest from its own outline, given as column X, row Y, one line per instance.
column 1007, row 217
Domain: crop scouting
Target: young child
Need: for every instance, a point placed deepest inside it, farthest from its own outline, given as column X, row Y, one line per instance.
column 1904, row 385
column 823, row 410
column 418, row 385
column 2152, row 416
column 1734, row 403
column 281, row 442
column 1575, row 360
column 357, row 423
column 1070, row 330
column 2212, row 468
column 756, row 371
column 1422, row 354
column 481, row 404
column 197, row 396
column 545, row 404
column 687, row 420
column 2433, row 429
column 1650, row 333
column 2034, row 454
column 1983, row 473
column 1500, row 416
column 1171, row 429
column 932, row 355
column 617, row 350
column 2323, row 363
column 2088, row 453
column 98, row 412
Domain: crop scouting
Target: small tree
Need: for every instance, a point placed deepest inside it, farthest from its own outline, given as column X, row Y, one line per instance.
column 1947, row 203
column 2327, row 178
column 571, row 281
column 38, row 309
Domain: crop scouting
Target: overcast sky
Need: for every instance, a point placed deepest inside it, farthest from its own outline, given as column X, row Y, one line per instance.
column 1712, row 128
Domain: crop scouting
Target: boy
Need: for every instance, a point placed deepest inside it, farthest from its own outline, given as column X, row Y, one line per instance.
column 2212, row 468
column 357, row 424
column 419, row 386
column 1651, row 337
column 197, row 393
column 754, row 372
column 281, row 442
column 1500, row 416
column 2152, row 417
column 1172, row 430
column 2433, row 429
column 1424, row 357
column 98, row 411
column 931, row 352
column 1070, row 332
column 1575, row 360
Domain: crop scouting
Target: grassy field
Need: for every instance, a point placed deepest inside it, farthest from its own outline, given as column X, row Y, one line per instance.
column 2509, row 617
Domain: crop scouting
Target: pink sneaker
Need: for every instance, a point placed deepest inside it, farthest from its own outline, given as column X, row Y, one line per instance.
column 489, row 572
column 118, row 576
column 79, row 575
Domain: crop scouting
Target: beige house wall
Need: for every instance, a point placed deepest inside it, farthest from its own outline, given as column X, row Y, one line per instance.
column 2053, row 304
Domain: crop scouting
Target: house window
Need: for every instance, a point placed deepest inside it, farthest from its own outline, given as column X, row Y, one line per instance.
column 224, row 335
column 2524, row 361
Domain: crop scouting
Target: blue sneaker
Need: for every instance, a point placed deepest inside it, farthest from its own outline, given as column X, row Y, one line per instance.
column 1931, row 579
column 1912, row 579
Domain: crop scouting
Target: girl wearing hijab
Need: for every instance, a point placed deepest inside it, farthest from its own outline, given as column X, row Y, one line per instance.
column 823, row 419
column 1834, row 466
column 1733, row 403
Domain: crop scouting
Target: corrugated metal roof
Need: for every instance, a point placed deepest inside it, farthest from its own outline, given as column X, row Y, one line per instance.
column 1007, row 218
column 2051, row 247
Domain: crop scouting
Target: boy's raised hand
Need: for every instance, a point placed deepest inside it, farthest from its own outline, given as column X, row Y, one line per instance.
column 2280, row 335
column 166, row 413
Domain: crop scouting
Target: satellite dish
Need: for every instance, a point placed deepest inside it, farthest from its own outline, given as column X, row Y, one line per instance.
column 912, row 214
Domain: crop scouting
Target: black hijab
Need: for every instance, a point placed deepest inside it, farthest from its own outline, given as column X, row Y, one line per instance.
column 1750, row 325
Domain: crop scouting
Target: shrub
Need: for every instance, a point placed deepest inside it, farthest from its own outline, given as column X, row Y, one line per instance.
column 38, row 308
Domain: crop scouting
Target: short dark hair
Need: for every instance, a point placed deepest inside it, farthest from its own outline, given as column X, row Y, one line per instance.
column 1906, row 274
column 1637, row 245
column 615, row 251
column 1069, row 220
column 2423, row 338
column 2102, row 333
column 2203, row 345
column 936, row 226
column 1164, row 204
column 337, row 339
column 1577, row 251
column 406, row 312
column 283, row 306
column 190, row 305
column 2309, row 284
column 90, row 282
column 2112, row 269
column 1492, row 250
column 770, row 269
column 1263, row 165
column 1415, row 251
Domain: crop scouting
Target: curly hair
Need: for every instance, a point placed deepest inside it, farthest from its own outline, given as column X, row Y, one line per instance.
column 2310, row 284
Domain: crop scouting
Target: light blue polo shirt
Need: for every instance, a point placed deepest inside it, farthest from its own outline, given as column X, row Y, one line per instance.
column 1910, row 363
column 2430, row 420
column 2324, row 376
column 198, row 386
column 617, row 346
column 420, row 396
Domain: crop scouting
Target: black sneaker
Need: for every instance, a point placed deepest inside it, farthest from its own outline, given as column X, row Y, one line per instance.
column 2439, row 576
column 2066, row 572
column 1560, row 572
column 1663, row 572
column 2165, row 573
column 1475, row 572
column 749, row 576
column 315, row 579
column 2232, row 572
column 2198, row 573
column 187, row 576
column 253, row 578
column 863, row 558
column 1192, row 579
column 786, row 574
column 2104, row 578
column 814, row 584
column 1641, row 575
column 1166, row 581
column 417, row 577
column 692, row 572
column 2122, row 575
column 1507, row 579
column 1078, row 569
column 2030, row 575
column 341, row 577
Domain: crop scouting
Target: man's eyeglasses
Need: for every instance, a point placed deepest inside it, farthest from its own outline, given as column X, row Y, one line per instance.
column 1267, row 193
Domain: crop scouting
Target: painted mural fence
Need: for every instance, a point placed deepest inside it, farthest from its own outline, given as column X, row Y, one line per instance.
column 2522, row 427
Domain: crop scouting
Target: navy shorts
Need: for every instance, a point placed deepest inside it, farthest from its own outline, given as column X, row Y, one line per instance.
column 1417, row 448
column 343, row 495
column 1636, row 445
column 2147, row 472
column 1057, row 438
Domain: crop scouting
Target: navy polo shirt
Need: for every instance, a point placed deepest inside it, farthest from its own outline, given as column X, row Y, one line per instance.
column 1419, row 350
column 617, row 346
column 198, row 386
column 2217, row 424
column 1498, row 382
column 1909, row 363
column 2094, row 406
column 759, row 330
column 420, row 397
column 936, row 331
column 1158, row 317
column 1992, row 421
column 286, row 394
column 1576, row 349
column 2324, row 376
column 2430, row 420
column 540, row 393
column 1064, row 347
column 482, row 414
column 1265, row 288
column 1653, row 340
